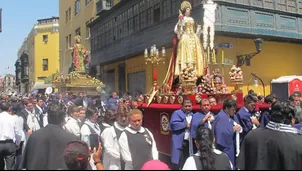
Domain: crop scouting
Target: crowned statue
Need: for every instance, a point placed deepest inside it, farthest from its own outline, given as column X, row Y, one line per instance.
column 189, row 59
column 80, row 57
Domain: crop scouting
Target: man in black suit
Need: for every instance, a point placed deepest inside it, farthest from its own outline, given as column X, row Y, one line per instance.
column 28, row 107
column 39, row 111
column 275, row 147
column 45, row 147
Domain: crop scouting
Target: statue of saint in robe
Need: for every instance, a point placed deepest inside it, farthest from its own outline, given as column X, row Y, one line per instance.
column 80, row 57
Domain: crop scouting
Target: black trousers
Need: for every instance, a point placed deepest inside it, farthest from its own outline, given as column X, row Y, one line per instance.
column 7, row 155
column 184, row 155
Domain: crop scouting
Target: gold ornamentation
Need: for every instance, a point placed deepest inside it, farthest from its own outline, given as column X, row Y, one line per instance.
column 198, row 99
column 185, row 4
column 166, row 99
column 158, row 99
column 172, row 99
column 180, row 99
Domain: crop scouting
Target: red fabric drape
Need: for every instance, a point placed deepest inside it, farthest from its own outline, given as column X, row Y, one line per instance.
column 170, row 72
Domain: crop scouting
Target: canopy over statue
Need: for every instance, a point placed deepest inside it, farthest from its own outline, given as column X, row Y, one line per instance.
column 80, row 57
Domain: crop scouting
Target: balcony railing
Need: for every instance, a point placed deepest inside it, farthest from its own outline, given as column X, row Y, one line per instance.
column 290, row 6
column 103, row 5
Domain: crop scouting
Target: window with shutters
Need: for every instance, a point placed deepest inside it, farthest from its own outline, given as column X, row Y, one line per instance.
column 130, row 21
column 45, row 64
column 77, row 7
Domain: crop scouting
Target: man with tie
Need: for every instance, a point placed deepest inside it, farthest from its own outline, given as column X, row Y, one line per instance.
column 205, row 117
column 181, row 143
column 39, row 111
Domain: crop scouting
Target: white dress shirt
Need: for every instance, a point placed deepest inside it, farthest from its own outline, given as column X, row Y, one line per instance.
column 191, row 165
column 187, row 131
column 111, row 156
column 125, row 151
column 72, row 126
column 40, row 110
column 45, row 120
column 32, row 120
column 85, row 132
column 20, row 124
column 9, row 128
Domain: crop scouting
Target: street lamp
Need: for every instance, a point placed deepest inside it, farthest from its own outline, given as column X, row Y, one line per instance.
column 255, row 83
column 154, row 58
column 241, row 59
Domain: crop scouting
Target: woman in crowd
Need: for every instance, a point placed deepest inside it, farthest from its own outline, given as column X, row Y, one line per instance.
column 77, row 156
column 207, row 158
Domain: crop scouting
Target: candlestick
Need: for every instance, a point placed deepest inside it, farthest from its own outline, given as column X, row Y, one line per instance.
column 208, row 55
column 214, row 60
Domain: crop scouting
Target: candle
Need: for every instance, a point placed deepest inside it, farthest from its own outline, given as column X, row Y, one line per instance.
column 222, row 57
column 164, row 51
column 146, row 53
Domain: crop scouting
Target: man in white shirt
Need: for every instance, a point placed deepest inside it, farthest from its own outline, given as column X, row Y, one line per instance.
column 10, row 137
column 110, row 136
column 137, row 145
column 73, row 124
column 90, row 127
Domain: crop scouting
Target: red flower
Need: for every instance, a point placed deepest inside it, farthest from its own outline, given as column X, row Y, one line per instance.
column 180, row 17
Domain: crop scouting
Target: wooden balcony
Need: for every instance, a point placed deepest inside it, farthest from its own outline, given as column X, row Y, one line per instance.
column 289, row 6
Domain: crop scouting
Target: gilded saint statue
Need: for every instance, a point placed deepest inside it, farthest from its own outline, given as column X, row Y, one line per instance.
column 80, row 57
column 189, row 59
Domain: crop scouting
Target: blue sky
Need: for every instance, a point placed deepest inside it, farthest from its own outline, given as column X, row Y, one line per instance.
column 18, row 18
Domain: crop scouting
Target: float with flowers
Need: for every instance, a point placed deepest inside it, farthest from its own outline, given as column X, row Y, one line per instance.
column 189, row 75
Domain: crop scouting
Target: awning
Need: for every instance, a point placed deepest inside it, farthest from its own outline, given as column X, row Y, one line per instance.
column 286, row 79
column 41, row 85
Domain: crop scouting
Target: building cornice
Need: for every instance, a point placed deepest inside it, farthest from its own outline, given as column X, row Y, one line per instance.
column 54, row 28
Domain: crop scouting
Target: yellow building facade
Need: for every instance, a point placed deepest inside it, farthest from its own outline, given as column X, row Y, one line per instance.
column 276, row 59
column 75, row 15
column 41, row 48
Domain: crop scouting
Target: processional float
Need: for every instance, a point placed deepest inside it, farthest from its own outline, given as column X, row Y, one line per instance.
column 189, row 72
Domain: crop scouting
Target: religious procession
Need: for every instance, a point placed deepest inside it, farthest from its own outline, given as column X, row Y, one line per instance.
column 109, row 103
